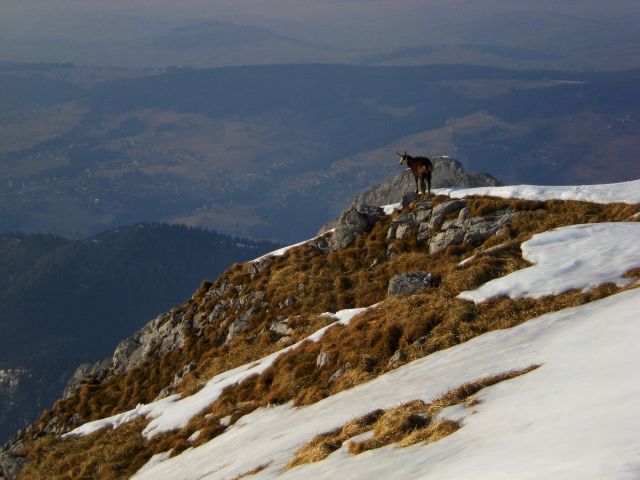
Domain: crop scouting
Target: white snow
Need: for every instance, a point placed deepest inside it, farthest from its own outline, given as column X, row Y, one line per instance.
column 150, row 409
column 625, row 192
column 281, row 251
column 170, row 413
column 154, row 460
column 392, row 207
column 577, row 416
column 578, row 256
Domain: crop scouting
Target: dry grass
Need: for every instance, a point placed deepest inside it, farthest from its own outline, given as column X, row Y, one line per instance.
column 417, row 325
column 107, row 454
column 410, row 423
column 253, row 471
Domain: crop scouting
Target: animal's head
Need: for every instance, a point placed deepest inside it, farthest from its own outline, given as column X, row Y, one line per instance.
column 403, row 157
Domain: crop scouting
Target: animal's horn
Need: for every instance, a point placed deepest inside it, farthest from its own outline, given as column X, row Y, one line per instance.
column 398, row 153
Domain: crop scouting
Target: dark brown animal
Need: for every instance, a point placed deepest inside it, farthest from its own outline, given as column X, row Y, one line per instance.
column 421, row 167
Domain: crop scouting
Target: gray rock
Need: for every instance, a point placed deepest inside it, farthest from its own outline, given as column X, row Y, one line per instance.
column 408, row 283
column 469, row 230
column 480, row 229
column 281, row 328
column 441, row 210
column 402, row 231
column 397, row 358
column 180, row 374
column 240, row 325
column 445, row 238
column 256, row 267
column 11, row 464
column 391, row 233
column 340, row 372
column 322, row 359
column 343, row 236
column 127, row 355
column 287, row 302
column 87, row 372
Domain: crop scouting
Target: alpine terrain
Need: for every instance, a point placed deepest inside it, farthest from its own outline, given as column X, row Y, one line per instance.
column 486, row 332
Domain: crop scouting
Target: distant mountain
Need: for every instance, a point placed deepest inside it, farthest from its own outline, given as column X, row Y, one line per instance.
column 66, row 302
column 214, row 34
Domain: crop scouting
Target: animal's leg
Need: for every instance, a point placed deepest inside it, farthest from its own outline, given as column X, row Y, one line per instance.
column 429, row 181
column 423, row 187
column 416, row 179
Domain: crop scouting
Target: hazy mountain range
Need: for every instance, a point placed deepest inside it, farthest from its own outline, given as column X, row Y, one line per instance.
column 255, row 150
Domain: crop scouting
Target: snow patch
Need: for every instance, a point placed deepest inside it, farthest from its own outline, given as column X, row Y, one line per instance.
column 578, row 256
column 624, row 192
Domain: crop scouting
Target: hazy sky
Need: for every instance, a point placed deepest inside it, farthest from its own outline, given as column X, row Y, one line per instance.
column 109, row 19
column 36, row 30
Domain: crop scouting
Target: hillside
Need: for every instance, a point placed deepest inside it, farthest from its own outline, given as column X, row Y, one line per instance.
column 67, row 302
column 463, row 333
column 253, row 150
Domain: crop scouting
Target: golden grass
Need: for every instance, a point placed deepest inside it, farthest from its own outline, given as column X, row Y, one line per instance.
column 410, row 423
column 417, row 325
column 107, row 454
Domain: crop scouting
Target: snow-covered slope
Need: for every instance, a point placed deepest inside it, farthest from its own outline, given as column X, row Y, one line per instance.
column 624, row 192
column 577, row 416
column 579, row 256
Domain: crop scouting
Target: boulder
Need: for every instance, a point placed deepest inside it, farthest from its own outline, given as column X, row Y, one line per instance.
column 409, row 283
column 441, row 210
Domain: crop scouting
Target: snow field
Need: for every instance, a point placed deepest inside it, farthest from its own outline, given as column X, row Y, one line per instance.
column 624, row 192
column 576, row 416
column 578, row 256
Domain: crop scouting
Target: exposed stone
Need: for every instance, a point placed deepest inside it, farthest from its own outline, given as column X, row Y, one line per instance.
column 391, row 233
column 321, row 242
column 11, row 463
column 481, row 229
column 322, row 359
column 87, row 372
column 441, row 210
column 469, row 230
column 240, row 325
column 281, row 328
column 340, row 372
column 287, row 302
column 127, row 352
column 180, row 374
column 423, row 231
column 343, row 236
column 397, row 358
column 445, row 238
column 352, row 222
column 256, row 267
column 408, row 283
column 402, row 231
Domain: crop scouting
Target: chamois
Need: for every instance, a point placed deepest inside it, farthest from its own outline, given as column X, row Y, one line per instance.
column 421, row 167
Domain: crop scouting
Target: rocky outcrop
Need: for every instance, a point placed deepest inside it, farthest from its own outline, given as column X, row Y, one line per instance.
column 351, row 223
column 11, row 462
column 87, row 372
column 447, row 172
column 469, row 230
column 408, row 283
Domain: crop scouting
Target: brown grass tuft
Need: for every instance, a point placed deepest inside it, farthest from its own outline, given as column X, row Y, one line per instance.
column 410, row 423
